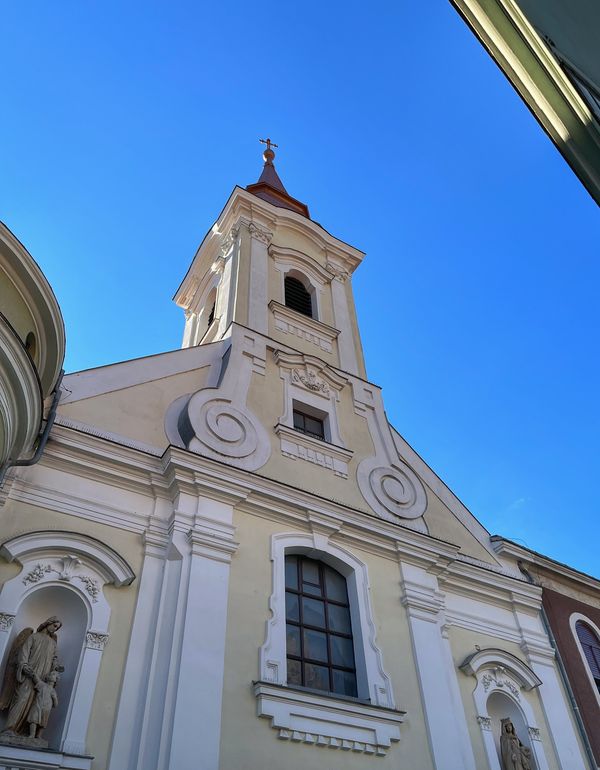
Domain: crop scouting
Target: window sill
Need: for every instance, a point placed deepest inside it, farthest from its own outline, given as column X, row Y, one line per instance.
column 301, row 446
column 291, row 321
column 304, row 716
column 42, row 759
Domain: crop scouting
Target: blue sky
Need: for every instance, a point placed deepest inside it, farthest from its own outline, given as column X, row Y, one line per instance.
column 125, row 125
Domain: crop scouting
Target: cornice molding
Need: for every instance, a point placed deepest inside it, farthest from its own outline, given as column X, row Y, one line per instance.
column 179, row 472
column 554, row 101
column 515, row 551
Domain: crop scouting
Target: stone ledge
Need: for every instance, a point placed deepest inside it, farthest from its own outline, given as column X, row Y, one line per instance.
column 290, row 322
column 324, row 720
column 300, row 446
column 17, row 758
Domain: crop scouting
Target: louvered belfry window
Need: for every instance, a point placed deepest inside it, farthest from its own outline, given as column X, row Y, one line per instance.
column 296, row 296
column 319, row 646
column 591, row 649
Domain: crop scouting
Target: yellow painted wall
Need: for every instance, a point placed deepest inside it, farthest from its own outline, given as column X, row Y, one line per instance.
column 249, row 742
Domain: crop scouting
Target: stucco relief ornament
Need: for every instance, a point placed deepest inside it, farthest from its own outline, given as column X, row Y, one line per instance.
column 336, row 271
column 6, row 621
column 310, row 381
column 95, row 640
column 260, row 233
column 90, row 585
column 396, row 489
column 37, row 573
column 496, row 680
column 28, row 690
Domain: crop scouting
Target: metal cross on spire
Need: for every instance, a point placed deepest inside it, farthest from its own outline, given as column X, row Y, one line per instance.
column 268, row 142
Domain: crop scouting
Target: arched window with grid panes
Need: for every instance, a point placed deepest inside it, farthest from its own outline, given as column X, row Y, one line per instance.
column 591, row 649
column 319, row 646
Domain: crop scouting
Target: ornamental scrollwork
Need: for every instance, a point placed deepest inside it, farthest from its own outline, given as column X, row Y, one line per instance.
column 336, row 271
column 37, row 573
column 485, row 723
column 90, row 585
column 95, row 640
column 494, row 679
column 6, row 621
column 69, row 564
column 262, row 235
column 311, row 381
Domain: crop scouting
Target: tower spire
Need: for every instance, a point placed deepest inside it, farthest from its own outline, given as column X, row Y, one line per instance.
column 269, row 186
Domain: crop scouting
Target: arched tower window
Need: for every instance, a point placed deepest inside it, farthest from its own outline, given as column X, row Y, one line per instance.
column 319, row 646
column 591, row 649
column 297, row 297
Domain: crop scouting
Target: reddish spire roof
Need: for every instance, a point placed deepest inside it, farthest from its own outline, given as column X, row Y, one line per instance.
column 270, row 187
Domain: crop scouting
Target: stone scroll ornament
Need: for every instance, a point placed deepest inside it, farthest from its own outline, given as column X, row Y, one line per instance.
column 28, row 691
column 515, row 756
column 217, row 422
column 394, row 491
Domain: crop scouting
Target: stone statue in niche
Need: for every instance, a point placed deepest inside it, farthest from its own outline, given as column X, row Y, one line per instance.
column 28, row 690
column 515, row 756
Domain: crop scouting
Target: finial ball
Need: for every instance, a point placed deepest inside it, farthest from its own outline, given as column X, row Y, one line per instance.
column 268, row 155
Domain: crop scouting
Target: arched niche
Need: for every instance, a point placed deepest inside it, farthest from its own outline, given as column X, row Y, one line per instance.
column 73, row 613
column 500, row 706
column 64, row 574
column 504, row 689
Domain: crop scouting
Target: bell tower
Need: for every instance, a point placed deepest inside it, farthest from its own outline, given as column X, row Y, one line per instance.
column 265, row 264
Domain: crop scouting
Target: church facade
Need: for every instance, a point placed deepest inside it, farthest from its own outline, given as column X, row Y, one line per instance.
column 228, row 558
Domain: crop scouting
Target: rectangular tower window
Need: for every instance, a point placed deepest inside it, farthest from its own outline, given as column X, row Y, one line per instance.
column 310, row 425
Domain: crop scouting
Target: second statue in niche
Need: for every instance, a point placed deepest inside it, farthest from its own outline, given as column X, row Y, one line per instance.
column 28, row 690
column 515, row 756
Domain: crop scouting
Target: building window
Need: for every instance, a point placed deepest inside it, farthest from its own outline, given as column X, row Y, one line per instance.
column 211, row 315
column 297, row 297
column 319, row 644
column 591, row 649
column 310, row 425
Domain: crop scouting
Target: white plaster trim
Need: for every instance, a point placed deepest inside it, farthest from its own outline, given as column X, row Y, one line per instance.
column 20, row 396
column 291, row 322
column 137, row 371
column 117, row 438
column 497, row 661
column 299, row 446
column 38, row 545
column 573, row 619
column 217, row 422
column 37, row 295
column 304, row 717
column 373, row 683
column 15, row 758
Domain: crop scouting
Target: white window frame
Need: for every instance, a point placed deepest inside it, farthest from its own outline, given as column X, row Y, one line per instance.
column 367, row 724
column 373, row 683
column 573, row 620
column 310, row 384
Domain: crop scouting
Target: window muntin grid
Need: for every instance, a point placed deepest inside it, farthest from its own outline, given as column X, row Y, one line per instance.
column 309, row 425
column 319, row 643
column 591, row 648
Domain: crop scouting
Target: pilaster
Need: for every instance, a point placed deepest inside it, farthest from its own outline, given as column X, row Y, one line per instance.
column 444, row 714
column 196, row 742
